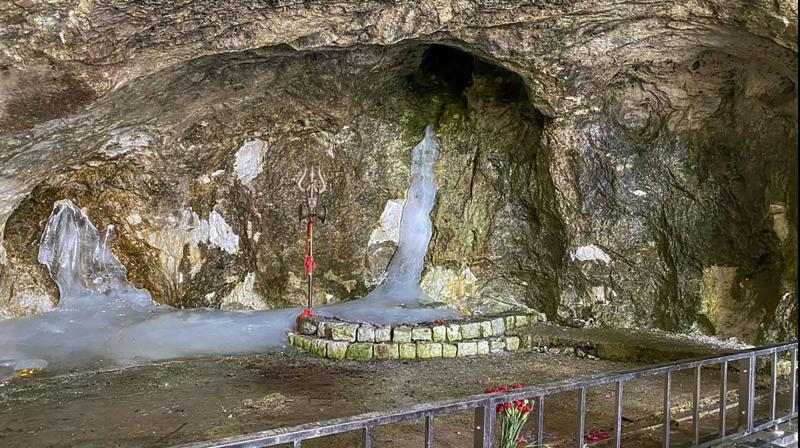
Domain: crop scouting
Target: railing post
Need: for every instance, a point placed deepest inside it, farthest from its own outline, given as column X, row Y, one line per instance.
column 368, row 437
column 429, row 431
column 747, row 377
column 667, row 406
column 540, row 421
column 618, row 416
column 773, row 398
column 581, row 416
column 723, row 400
column 484, row 426
column 696, row 406
column 793, row 380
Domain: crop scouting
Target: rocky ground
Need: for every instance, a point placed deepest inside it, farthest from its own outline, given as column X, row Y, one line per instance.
column 191, row 400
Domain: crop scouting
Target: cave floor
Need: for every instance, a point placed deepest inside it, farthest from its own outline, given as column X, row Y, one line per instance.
column 190, row 400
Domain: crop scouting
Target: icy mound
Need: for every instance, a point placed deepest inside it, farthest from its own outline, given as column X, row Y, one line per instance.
column 103, row 320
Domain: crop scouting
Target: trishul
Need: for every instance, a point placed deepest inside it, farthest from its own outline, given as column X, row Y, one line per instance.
column 312, row 185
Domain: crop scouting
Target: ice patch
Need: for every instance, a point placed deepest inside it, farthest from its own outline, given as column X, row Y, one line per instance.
column 248, row 161
column 591, row 252
column 639, row 193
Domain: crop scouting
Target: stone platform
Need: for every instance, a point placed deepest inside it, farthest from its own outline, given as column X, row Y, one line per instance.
column 335, row 339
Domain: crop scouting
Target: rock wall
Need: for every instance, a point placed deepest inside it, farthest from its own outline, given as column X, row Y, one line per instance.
column 627, row 164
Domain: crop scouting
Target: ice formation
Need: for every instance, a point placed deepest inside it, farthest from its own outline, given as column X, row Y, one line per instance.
column 399, row 297
column 102, row 320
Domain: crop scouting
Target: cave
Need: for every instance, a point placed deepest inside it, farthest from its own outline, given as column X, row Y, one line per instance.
column 598, row 169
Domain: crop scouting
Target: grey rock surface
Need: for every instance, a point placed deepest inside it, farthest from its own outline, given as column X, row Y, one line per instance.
column 628, row 164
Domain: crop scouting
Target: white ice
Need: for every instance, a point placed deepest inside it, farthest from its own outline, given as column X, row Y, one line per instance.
column 102, row 320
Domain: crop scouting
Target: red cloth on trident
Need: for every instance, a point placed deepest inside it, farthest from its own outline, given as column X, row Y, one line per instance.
column 309, row 265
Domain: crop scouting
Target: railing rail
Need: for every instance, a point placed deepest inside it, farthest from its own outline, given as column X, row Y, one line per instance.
column 485, row 405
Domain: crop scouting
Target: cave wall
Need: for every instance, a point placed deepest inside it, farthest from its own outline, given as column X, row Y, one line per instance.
column 630, row 165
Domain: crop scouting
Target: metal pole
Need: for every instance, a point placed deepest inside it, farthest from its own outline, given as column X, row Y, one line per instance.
column 774, row 388
column 723, row 400
column 793, row 373
column 368, row 437
column 429, row 431
column 618, row 414
column 540, row 421
column 696, row 406
column 484, row 426
column 667, row 405
column 581, row 415
column 744, row 394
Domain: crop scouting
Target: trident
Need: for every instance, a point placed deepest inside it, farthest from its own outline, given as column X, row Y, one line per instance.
column 311, row 210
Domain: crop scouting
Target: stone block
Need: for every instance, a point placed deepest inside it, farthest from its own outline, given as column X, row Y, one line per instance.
column 360, row 351
column 302, row 341
column 318, row 347
column 366, row 333
column 401, row 334
column 290, row 339
column 307, row 326
column 439, row 333
column 471, row 330
column 408, row 351
column 486, row 329
column 343, row 331
column 385, row 351
column 483, row 347
column 421, row 334
column 324, row 329
column 520, row 321
column 383, row 333
column 449, row 350
column 453, row 332
column 498, row 326
column 509, row 320
column 337, row 349
column 467, row 349
column 512, row 343
column 496, row 346
column 429, row 350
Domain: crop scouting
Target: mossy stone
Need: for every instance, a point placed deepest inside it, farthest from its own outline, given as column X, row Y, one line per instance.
column 360, row 351
column 429, row 350
column 421, row 334
column 439, row 333
column 343, row 331
column 520, row 321
column 483, row 347
column 318, row 347
column 512, row 343
column 401, row 334
column 408, row 351
column 497, row 346
column 467, row 349
column 510, row 321
column 337, row 349
column 471, row 330
column 486, row 329
column 449, row 350
column 454, row 332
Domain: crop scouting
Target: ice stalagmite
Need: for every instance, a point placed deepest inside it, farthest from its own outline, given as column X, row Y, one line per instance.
column 399, row 298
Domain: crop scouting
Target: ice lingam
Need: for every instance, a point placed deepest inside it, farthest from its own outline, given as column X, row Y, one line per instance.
column 103, row 320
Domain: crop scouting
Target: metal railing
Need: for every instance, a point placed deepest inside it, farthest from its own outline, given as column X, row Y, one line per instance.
column 485, row 406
